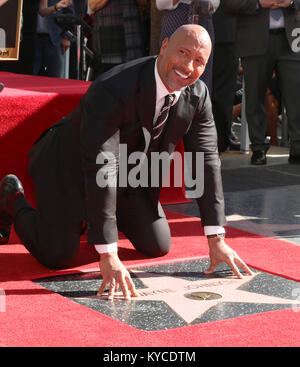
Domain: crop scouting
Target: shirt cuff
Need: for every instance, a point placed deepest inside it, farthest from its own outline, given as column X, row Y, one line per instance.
column 110, row 247
column 209, row 230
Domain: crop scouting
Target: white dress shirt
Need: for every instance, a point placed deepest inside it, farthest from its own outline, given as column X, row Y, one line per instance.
column 276, row 23
column 168, row 4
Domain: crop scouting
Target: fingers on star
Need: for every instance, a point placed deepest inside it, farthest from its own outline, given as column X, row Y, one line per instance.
column 125, row 283
column 233, row 262
column 211, row 268
column 236, row 260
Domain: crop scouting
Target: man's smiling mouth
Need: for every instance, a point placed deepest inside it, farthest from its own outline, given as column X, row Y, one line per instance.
column 181, row 75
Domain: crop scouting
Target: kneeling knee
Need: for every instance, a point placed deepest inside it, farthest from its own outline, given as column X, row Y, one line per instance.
column 59, row 261
column 157, row 248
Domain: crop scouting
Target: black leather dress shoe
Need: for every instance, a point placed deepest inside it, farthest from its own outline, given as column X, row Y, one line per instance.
column 10, row 186
column 294, row 158
column 4, row 235
column 259, row 158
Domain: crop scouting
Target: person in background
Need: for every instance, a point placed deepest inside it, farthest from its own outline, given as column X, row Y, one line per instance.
column 273, row 110
column 117, row 36
column 266, row 42
column 225, row 69
column 80, row 10
column 52, row 42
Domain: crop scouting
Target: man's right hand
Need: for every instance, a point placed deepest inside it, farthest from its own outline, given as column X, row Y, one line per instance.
column 283, row 3
column 115, row 274
column 273, row 4
column 63, row 4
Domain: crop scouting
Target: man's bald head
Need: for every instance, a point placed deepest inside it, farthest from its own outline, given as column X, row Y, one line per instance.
column 183, row 57
column 193, row 31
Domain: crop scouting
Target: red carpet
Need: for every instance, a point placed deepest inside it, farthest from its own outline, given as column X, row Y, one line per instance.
column 28, row 106
column 35, row 316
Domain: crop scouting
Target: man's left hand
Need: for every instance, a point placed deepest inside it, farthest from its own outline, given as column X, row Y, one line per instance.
column 283, row 3
column 115, row 275
column 220, row 252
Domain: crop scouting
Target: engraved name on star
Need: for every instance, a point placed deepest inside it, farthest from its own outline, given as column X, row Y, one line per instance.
column 176, row 293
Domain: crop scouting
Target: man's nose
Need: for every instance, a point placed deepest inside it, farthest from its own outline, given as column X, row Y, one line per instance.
column 189, row 65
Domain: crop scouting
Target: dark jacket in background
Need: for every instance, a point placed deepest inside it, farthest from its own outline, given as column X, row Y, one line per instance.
column 253, row 25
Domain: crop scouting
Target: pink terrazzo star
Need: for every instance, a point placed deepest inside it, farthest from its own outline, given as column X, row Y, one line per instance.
column 174, row 291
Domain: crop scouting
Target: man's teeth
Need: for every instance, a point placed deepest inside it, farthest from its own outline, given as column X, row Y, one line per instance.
column 181, row 75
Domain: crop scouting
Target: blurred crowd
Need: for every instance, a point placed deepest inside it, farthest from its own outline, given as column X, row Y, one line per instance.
column 250, row 43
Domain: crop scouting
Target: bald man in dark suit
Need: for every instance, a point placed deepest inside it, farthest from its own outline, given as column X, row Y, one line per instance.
column 148, row 105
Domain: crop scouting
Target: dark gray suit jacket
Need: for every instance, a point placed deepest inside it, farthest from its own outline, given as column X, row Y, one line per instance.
column 253, row 25
column 119, row 109
column 224, row 26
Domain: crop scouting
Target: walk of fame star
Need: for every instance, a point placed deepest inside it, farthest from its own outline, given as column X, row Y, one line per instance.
column 178, row 293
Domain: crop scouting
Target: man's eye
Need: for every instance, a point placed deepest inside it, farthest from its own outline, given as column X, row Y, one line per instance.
column 199, row 62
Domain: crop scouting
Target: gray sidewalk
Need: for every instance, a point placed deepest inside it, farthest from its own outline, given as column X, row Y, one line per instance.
column 235, row 159
column 259, row 199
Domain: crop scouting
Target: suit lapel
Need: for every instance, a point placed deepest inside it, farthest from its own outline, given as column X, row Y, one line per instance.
column 180, row 118
column 146, row 101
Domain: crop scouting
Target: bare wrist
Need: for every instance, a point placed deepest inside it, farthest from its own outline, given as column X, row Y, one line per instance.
column 217, row 236
column 214, row 239
column 106, row 255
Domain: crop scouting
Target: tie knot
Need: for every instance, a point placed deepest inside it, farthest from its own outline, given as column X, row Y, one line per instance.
column 276, row 13
column 169, row 99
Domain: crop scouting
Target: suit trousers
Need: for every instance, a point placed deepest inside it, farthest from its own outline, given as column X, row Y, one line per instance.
column 56, row 245
column 49, row 59
column 258, row 71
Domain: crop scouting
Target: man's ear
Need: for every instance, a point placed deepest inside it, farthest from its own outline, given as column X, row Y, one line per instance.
column 164, row 45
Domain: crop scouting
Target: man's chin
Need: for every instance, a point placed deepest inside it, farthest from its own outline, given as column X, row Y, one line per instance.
column 177, row 86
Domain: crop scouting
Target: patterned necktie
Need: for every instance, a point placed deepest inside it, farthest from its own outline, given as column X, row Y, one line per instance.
column 163, row 115
column 276, row 14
